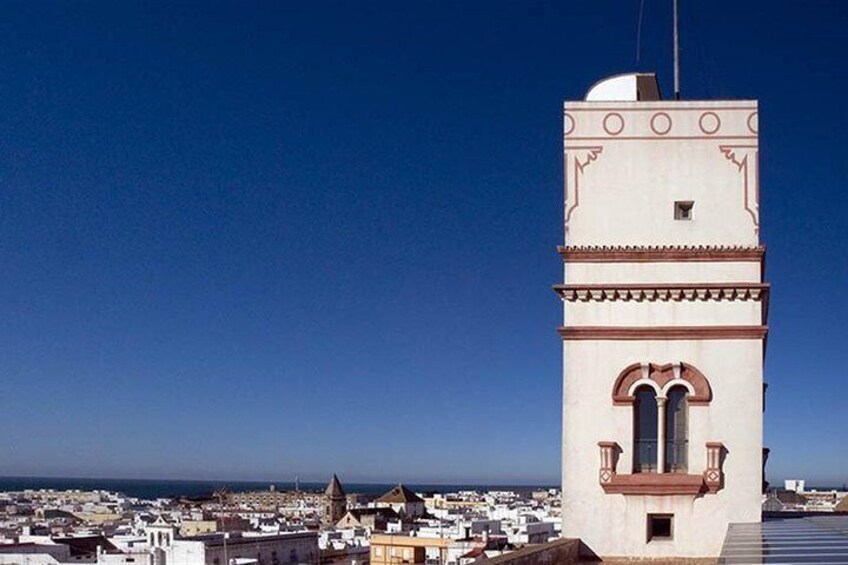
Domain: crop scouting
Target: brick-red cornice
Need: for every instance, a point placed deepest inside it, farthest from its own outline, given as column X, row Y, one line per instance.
column 660, row 254
column 637, row 333
column 657, row 484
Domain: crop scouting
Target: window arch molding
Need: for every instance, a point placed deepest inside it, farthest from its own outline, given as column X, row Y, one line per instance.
column 661, row 378
column 631, row 391
column 678, row 382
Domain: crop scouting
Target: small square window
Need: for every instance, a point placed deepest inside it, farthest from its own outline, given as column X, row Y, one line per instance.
column 683, row 209
column 660, row 527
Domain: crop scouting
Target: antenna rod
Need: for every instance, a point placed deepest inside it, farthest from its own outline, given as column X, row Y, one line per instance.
column 676, row 57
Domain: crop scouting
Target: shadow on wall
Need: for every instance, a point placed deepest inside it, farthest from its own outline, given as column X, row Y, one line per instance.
column 559, row 552
column 568, row 551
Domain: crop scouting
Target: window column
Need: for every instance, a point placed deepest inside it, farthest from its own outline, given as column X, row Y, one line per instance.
column 661, row 434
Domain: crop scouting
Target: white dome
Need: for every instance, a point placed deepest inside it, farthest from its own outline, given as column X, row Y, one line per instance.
column 631, row 87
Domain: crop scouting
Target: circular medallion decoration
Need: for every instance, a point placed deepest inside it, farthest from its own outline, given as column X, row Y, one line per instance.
column 613, row 123
column 754, row 122
column 569, row 124
column 661, row 123
column 709, row 123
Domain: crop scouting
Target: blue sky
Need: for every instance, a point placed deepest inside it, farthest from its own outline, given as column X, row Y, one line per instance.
column 260, row 240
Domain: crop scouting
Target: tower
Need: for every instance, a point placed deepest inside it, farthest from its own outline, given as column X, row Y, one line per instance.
column 665, row 321
column 160, row 538
column 335, row 502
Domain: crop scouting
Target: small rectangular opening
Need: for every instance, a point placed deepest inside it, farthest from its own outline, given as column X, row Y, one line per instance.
column 683, row 209
column 660, row 526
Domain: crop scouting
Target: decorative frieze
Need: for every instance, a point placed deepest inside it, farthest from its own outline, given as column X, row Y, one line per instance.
column 660, row 253
column 659, row 122
column 662, row 292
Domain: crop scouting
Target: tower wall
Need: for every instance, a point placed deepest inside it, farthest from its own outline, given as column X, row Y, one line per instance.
column 654, row 292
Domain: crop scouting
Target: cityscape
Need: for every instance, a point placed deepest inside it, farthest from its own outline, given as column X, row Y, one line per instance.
column 488, row 321
column 329, row 526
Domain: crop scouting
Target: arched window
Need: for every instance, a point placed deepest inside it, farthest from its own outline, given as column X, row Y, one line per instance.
column 660, row 396
column 676, row 430
column 645, row 430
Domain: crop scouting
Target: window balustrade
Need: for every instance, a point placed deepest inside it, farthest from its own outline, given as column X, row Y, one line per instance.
column 671, row 481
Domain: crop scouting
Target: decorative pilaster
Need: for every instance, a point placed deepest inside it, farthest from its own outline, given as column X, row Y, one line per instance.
column 714, row 476
column 609, row 461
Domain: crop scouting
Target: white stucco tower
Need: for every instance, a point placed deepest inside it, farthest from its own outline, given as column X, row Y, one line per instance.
column 665, row 321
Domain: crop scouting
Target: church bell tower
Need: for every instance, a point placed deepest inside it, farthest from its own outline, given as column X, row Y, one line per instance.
column 335, row 502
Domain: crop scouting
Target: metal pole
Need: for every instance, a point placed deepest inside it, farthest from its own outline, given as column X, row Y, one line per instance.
column 676, row 57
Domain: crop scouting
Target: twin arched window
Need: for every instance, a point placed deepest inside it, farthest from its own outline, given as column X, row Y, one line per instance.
column 660, row 430
column 660, row 396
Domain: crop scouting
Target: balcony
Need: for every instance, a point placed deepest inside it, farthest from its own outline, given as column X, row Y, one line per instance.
column 649, row 478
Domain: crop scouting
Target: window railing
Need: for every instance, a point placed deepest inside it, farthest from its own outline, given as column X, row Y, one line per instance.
column 676, row 455
column 645, row 456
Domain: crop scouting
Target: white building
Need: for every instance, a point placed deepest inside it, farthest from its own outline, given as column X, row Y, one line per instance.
column 225, row 549
column 665, row 321
column 796, row 485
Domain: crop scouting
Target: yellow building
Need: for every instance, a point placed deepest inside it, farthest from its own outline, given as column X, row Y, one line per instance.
column 189, row 528
column 396, row 550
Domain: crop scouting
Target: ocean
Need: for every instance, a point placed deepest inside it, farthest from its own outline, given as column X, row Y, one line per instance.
column 150, row 489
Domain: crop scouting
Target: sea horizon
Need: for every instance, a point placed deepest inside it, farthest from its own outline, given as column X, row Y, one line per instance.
column 145, row 488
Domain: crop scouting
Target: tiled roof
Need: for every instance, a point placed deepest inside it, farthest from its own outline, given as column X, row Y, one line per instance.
column 384, row 512
column 334, row 488
column 400, row 494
